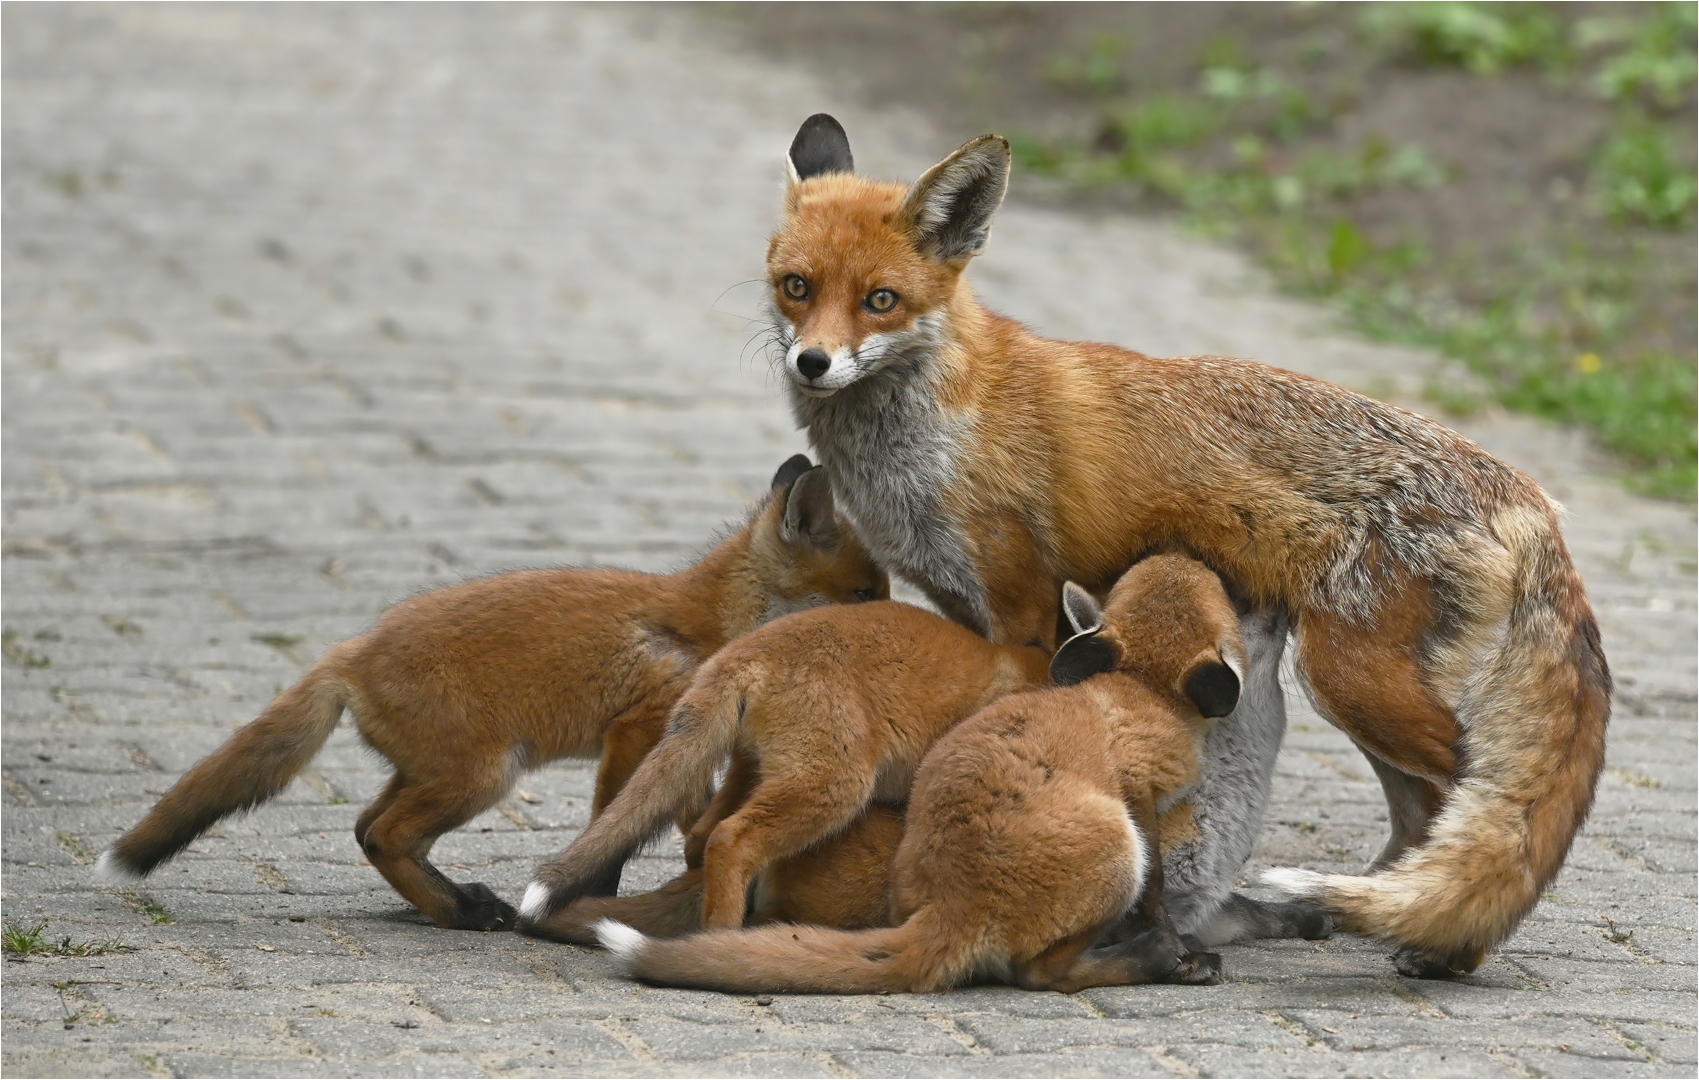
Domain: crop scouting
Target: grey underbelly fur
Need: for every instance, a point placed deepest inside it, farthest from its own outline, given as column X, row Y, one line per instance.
column 1232, row 793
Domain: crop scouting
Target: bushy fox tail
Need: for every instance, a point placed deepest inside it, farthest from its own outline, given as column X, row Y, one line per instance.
column 673, row 910
column 255, row 764
column 700, row 733
column 923, row 954
column 1534, row 713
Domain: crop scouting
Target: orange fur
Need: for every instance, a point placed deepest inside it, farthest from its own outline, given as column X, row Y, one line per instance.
column 1439, row 620
column 826, row 711
column 463, row 688
column 1031, row 828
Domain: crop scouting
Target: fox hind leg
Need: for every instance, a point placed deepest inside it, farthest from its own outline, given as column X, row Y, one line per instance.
column 399, row 836
column 1411, row 803
column 779, row 819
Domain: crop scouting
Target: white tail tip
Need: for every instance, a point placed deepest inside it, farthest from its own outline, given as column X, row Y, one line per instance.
column 536, row 900
column 620, row 940
column 1293, row 881
column 107, row 868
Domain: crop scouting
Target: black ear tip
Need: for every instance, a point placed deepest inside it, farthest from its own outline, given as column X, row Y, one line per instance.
column 1213, row 688
column 821, row 146
column 1081, row 657
column 791, row 469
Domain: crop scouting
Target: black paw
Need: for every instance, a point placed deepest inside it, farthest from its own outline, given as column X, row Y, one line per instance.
column 1197, row 969
column 1421, row 964
column 1310, row 920
column 482, row 909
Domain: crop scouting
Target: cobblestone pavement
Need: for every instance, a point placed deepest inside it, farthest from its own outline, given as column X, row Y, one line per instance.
column 309, row 309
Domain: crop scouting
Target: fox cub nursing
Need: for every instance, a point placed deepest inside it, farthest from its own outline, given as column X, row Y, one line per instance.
column 464, row 688
column 1438, row 619
column 1032, row 827
column 822, row 712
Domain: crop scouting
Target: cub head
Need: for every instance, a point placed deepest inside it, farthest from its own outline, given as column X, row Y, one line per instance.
column 861, row 271
column 1168, row 623
column 801, row 553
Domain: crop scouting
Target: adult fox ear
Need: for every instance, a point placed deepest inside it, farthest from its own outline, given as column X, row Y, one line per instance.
column 811, row 515
column 950, row 208
column 790, row 470
column 1082, row 609
column 820, row 147
column 1081, row 657
column 1212, row 685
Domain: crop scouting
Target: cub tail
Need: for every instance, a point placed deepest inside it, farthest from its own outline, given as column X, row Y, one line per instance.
column 1534, row 713
column 700, row 733
column 919, row 956
column 671, row 911
column 255, row 764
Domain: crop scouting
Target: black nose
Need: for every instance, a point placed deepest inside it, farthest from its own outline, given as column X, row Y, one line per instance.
column 813, row 363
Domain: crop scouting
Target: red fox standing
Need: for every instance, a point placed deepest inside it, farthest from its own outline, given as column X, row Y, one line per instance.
column 1438, row 618
column 465, row 687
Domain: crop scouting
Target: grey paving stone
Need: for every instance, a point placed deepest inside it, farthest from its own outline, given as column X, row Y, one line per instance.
column 310, row 309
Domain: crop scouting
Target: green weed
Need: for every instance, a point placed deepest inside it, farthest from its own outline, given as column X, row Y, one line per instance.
column 1654, row 58
column 21, row 942
column 279, row 641
column 19, row 653
column 1483, row 37
column 1640, row 181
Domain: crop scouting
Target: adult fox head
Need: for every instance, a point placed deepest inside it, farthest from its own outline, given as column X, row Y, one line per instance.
column 1169, row 623
column 863, row 272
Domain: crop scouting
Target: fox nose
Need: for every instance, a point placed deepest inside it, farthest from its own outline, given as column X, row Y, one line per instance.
column 813, row 363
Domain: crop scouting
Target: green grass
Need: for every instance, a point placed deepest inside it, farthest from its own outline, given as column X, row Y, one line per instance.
column 22, row 942
column 19, row 653
column 279, row 641
column 1246, row 154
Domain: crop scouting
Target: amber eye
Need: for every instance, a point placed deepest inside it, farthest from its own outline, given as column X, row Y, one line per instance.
column 795, row 287
column 881, row 300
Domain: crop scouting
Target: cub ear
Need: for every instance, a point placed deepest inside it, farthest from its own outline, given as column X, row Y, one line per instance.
column 950, row 207
column 1082, row 609
column 1212, row 686
column 820, row 147
column 790, row 470
column 1081, row 657
column 811, row 515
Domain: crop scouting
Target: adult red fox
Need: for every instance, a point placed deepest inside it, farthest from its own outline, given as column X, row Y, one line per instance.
column 821, row 713
column 1438, row 619
column 1032, row 829
column 466, row 687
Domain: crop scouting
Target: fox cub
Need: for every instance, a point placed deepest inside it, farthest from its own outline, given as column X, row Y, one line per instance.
column 464, row 688
column 1031, row 828
column 822, row 713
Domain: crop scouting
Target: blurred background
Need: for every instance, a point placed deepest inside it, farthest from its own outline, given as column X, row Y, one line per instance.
column 1512, row 184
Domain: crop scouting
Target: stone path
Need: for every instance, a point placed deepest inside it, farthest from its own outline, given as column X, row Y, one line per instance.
column 307, row 309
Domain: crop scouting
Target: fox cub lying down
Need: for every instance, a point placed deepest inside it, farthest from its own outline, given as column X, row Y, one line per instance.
column 1032, row 827
column 464, row 688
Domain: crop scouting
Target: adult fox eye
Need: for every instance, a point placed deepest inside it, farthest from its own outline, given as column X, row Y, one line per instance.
column 795, row 287
column 881, row 300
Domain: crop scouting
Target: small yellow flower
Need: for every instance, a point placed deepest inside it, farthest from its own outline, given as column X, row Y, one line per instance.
column 1588, row 363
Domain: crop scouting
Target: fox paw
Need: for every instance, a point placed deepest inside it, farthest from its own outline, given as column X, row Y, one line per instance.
column 481, row 909
column 1310, row 920
column 1197, row 969
column 1421, row 964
